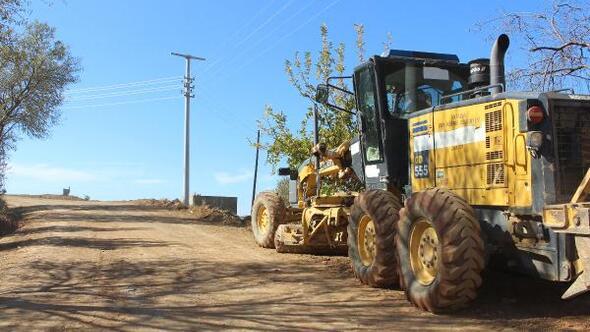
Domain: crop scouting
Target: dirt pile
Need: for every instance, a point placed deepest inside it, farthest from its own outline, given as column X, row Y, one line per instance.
column 199, row 212
column 213, row 215
column 175, row 204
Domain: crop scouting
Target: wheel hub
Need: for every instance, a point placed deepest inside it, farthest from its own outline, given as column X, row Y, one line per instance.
column 424, row 251
column 366, row 240
column 262, row 219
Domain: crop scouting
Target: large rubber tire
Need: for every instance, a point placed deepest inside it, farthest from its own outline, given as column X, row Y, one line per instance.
column 459, row 247
column 275, row 209
column 382, row 207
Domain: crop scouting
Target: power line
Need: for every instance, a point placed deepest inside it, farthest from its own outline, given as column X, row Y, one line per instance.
column 122, row 93
column 254, row 46
column 243, row 27
column 120, row 103
column 124, row 85
column 215, row 108
column 245, row 39
column 216, row 80
column 253, row 58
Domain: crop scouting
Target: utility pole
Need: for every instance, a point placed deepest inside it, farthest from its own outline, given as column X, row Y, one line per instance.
column 316, row 141
column 188, row 94
column 256, row 166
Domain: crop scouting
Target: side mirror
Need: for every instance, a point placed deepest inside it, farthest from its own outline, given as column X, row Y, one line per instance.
column 291, row 173
column 284, row 171
column 322, row 93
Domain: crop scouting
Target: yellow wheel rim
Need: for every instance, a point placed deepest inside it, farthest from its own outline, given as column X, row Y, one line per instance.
column 366, row 240
column 424, row 251
column 262, row 219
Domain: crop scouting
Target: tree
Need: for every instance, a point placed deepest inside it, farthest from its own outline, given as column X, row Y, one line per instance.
column 35, row 69
column 10, row 11
column 556, row 41
column 282, row 189
column 304, row 74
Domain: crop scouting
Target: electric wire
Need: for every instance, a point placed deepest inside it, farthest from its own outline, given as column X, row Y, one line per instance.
column 124, row 85
column 279, row 40
column 124, row 93
column 121, row 103
column 245, row 39
column 223, row 112
column 255, row 45
column 293, row 31
column 243, row 27
column 215, row 81
column 217, row 78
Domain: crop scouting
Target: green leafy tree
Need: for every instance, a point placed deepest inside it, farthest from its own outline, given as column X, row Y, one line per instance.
column 35, row 69
column 304, row 73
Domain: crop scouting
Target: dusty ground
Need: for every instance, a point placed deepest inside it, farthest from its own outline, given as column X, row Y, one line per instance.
column 119, row 266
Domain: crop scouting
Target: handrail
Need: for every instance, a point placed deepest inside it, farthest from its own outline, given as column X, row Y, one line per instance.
column 481, row 88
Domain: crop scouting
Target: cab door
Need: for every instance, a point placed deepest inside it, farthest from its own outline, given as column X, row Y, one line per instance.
column 375, row 167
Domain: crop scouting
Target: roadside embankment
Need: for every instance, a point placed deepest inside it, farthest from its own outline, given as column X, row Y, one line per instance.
column 9, row 218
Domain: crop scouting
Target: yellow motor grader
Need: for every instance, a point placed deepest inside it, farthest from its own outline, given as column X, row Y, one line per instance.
column 457, row 172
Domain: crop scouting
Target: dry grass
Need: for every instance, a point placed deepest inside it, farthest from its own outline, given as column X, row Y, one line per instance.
column 60, row 197
column 175, row 204
column 9, row 220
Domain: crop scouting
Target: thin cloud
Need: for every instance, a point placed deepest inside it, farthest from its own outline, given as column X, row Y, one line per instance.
column 229, row 178
column 46, row 173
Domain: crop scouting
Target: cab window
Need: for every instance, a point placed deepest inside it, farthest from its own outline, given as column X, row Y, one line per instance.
column 411, row 87
column 366, row 94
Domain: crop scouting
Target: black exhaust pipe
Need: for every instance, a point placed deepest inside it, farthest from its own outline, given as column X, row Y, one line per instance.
column 497, row 63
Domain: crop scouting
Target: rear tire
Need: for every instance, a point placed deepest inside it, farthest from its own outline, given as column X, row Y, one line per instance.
column 371, row 238
column 268, row 212
column 441, row 252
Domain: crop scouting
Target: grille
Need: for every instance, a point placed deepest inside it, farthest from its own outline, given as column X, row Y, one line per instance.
column 493, row 121
column 572, row 135
column 494, row 155
column 495, row 174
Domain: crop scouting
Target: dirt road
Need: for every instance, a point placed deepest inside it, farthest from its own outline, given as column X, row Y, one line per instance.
column 120, row 266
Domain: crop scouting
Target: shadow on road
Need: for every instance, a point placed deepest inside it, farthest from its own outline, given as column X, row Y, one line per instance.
column 81, row 242
column 130, row 295
column 207, row 295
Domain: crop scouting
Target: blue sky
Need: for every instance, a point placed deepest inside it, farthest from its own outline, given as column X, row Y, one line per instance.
column 121, row 134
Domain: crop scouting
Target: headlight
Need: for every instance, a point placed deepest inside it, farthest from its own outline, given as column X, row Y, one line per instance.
column 534, row 139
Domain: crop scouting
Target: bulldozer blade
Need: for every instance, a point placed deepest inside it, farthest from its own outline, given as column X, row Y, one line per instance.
column 582, row 282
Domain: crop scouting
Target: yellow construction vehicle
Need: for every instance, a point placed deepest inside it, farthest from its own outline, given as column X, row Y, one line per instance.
column 458, row 173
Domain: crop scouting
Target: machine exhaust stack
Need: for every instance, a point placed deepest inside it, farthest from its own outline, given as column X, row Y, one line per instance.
column 497, row 63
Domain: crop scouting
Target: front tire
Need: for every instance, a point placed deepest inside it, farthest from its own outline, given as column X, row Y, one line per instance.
column 441, row 252
column 268, row 212
column 371, row 238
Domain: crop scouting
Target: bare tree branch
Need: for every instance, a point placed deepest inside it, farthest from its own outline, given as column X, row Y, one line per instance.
column 556, row 43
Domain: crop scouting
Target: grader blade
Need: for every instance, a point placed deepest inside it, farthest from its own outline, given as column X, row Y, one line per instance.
column 289, row 239
column 582, row 282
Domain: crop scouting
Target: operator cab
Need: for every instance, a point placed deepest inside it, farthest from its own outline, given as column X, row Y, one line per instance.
column 390, row 88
